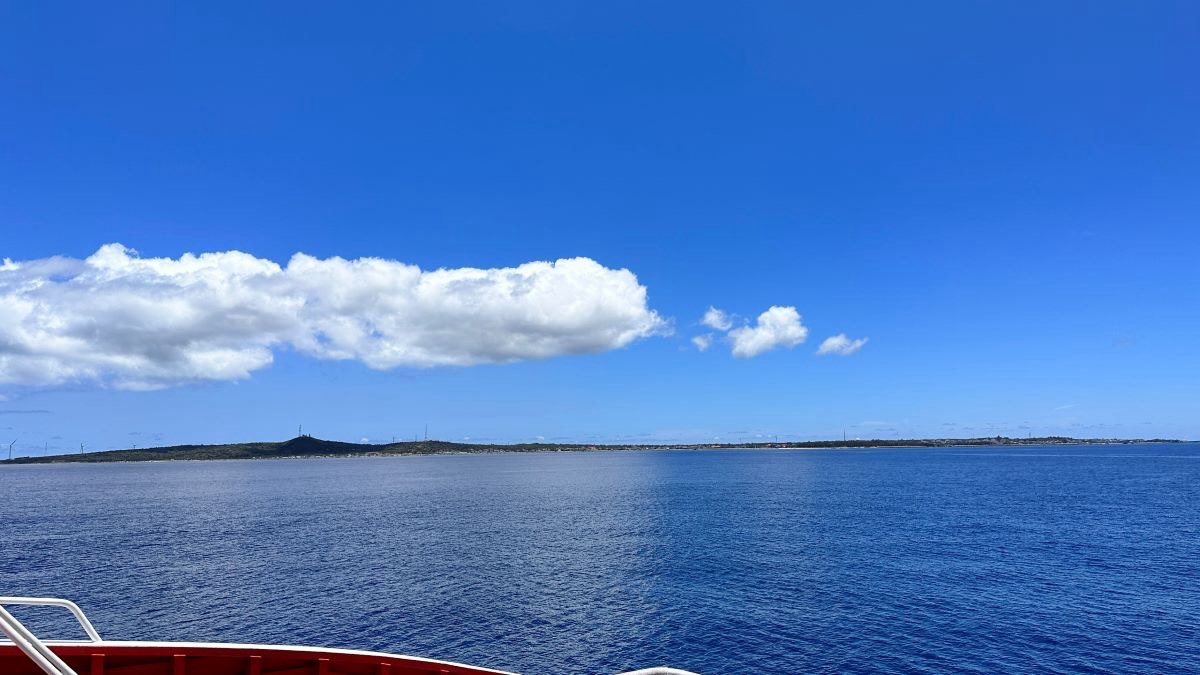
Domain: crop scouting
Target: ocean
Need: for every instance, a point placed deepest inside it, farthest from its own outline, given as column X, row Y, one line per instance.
column 1006, row 559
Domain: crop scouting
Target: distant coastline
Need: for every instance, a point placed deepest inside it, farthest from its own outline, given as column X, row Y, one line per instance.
column 309, row 446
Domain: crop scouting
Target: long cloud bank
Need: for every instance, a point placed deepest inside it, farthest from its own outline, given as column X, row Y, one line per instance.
column 143, row 323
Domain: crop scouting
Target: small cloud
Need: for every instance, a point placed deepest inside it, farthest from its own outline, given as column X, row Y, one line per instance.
column 702, row 342
column 24, row 412
column 1067, row 406
column 841, row 345
column 715, row 318
column 776, row 327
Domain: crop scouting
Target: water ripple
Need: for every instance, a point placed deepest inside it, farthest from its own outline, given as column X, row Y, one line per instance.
column 893, row 561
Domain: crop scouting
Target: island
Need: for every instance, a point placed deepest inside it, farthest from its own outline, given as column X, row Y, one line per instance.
column 309, row 446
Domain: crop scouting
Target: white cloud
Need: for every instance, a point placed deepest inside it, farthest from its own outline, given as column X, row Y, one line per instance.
column 715, row 318
column 702, row 342
column 138, row 323
column 841, row 345
column 776, row 327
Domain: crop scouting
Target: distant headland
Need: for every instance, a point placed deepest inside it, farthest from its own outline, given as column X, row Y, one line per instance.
column 308, row 446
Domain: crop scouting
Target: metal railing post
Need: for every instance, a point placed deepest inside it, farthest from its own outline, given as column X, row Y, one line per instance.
column 34, row 648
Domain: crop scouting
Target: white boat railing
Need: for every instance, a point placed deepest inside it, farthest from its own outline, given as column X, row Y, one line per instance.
column 659, row 671
column 34, row 648
column 51, row 664
column 84, row 623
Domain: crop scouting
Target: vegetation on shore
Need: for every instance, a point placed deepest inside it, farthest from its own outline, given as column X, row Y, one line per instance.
column 308, row 446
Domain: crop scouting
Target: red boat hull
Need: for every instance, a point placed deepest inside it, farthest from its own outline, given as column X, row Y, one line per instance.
column 165, row 658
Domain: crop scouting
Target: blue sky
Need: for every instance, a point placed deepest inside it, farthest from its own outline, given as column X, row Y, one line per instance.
column 1002, row 197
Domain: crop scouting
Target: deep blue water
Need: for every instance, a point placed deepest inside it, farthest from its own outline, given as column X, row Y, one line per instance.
column 970, row 560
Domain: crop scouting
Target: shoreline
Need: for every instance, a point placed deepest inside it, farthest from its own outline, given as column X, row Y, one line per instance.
column 307, row 447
